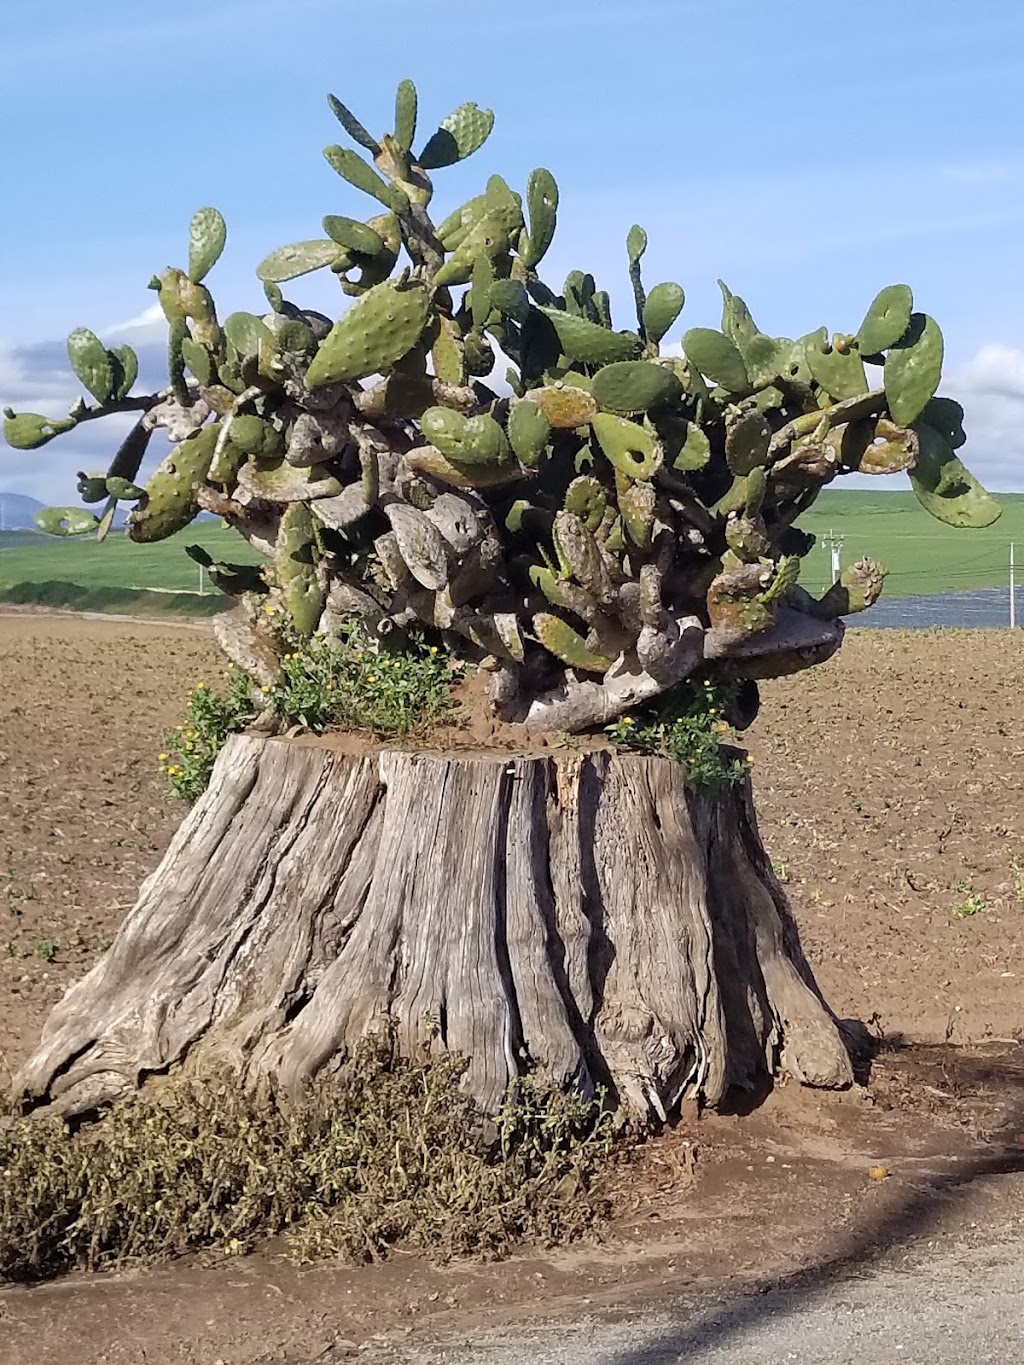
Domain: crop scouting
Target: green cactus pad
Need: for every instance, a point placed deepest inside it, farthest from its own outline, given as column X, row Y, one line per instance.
column 199, row 361
column 452, row 231
column 446, row 353
column 913, row 368
column 590, row 343
column 352, row 126
column 428, row 460
column 632, row 386
column 207, row 236
column 463, row 132
column 566, row 406
column 876, row 446
column 886, row 320
column 587, row 498
column 353, row 235
column 756, row 491
column 295, row 561
column 636, row 243
column 661, row 308
column 630, row 448
column 92, row 488
column 579, row 555
column 787, row 573
column 300, row 258
column 170, row 504
column 488, row 237
column 406, row 105
column 248, row 334
column 716, row 357
column 528, row 431
column 694, row 449
column 636, row 505
column 129, row 363
column 559, row 639
column 840, row 373
column 859, row 586
column 946, row 416
column 66, row 521
column 255, row 436
column 465, row 440
column 351, row 167
column 746, row 442
column 131, row 452
column 91, row 364
column 479, row 355
column 945, row 488
column 123, row 489
column 30, row 430
column 737, row 323
column 377, row 330
column 510, row 299
column 542, row 206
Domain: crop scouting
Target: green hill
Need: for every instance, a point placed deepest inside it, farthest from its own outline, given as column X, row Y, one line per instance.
column 922, row 555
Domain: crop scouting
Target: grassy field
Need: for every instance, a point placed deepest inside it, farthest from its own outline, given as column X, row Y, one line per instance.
column 922, row 555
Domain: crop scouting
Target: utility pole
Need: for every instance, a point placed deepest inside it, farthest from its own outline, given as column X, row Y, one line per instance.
column 202, row 587
column 834, row 545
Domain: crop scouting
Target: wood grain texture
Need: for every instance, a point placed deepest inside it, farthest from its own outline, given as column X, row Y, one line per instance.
column 576, row 913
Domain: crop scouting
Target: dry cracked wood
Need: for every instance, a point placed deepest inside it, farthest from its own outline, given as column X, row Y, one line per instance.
column 579, row 913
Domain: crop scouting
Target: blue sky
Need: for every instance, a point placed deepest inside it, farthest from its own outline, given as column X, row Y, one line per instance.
column 807, row 153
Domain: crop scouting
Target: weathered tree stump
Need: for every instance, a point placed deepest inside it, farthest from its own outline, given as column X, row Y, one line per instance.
column 576, row 912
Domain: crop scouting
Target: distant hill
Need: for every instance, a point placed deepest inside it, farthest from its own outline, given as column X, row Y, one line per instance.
column 17, row 512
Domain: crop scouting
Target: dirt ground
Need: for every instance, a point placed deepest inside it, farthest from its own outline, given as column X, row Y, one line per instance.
column 889, row 790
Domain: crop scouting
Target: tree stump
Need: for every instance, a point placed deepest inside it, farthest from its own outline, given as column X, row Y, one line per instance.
column 575, row 912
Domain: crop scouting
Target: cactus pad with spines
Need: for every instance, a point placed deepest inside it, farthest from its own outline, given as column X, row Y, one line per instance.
column 378, row 330
column 569, row 530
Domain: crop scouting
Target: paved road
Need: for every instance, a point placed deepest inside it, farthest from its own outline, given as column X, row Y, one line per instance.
column 960, row 1305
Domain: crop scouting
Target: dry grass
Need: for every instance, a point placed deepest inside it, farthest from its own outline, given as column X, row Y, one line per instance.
column 390, row 1153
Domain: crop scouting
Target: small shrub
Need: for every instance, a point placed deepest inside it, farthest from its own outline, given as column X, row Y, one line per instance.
column 973, row 902
column 688, row 724
column 210, row 716
column 385, row 1155
column 353, row 681
column 349, row 681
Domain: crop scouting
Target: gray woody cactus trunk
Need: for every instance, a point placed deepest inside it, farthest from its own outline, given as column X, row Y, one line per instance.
column 579, row 914
column 608, row 521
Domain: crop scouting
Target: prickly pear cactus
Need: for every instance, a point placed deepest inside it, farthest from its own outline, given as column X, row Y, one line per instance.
column 469, row 449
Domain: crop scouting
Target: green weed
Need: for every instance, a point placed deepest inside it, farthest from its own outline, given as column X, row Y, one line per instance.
column 688, row 724
column 348, row 681
column 973, row 902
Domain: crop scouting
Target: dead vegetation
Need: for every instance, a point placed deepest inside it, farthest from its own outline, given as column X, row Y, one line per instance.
column 389, row 1154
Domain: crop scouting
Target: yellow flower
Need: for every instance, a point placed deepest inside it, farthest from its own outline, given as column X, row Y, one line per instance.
column 628, row 720
column 269, row 608
column 750, row 761
column 372, row 678
column 161, row 758
column 433, row 649
column 712, row 711
column 264, row 690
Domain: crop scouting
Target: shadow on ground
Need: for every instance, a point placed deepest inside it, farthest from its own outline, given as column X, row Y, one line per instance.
column 907, row 1217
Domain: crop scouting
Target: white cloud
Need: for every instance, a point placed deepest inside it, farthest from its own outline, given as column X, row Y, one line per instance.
column 991, row 388
column 152, row 320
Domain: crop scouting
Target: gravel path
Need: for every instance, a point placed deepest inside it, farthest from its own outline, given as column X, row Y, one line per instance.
column 951, row 1305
